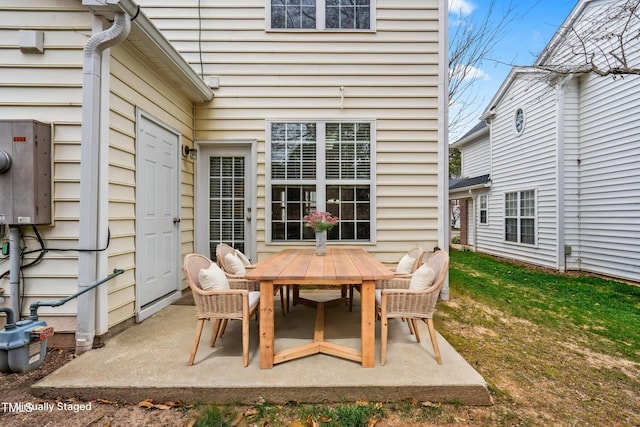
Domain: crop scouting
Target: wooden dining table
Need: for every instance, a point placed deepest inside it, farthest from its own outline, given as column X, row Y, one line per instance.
column 339, row 266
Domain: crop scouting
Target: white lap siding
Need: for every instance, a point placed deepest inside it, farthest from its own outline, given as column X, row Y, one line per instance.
column 524, row 162
column 610, row 176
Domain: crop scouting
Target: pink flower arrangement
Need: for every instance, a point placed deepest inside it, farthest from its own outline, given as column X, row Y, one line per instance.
column 320, row 221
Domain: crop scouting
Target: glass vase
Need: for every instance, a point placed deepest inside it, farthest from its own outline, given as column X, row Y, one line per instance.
column 321, row 242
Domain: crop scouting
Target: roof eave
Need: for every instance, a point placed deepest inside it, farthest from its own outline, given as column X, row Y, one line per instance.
column 151, row 41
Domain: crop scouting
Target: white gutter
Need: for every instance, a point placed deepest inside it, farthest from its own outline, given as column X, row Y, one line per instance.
column 89, row 175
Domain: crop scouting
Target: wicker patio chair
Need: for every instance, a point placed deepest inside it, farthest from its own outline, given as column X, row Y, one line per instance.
column 235, row 264
column 405, row 268
column 395, row 298
column 235, row 302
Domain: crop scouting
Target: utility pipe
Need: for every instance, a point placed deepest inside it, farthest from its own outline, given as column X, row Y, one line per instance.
column 14, row 269
column 89, row 176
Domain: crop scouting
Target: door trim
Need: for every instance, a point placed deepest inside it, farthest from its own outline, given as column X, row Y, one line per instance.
column 144, row 311
column 225, row 147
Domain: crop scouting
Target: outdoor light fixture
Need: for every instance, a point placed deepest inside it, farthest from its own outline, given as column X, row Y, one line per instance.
column 189, row 152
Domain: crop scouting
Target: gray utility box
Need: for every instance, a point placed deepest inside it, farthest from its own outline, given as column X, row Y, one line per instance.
column 24, row 346
column 25, row 172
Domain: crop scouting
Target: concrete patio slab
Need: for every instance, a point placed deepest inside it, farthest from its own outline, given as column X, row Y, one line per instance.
column 149, row 361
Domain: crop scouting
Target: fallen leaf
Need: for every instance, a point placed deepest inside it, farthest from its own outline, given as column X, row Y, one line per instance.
column 372, row 422
column 311, row 422
column 238, row 419
column 251, row 411
column 145, row 404
column 161, row 406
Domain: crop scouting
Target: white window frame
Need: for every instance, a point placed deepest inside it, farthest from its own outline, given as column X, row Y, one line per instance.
column 320, row 20
column 321, row 180
column 485, row 198
column 515, row 119
column 519, row 217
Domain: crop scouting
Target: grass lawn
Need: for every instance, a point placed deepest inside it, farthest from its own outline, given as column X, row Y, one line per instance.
column 556, row 350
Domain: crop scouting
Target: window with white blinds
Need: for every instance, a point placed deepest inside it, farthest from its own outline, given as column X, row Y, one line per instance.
column 324, row 166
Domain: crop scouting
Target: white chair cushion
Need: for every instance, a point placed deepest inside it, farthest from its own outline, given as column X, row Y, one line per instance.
column 213, row 278
column 378, row 297
column 405, row 266
column 234, row 264
column 254, row 299
column 422, row 279
column 243, row 258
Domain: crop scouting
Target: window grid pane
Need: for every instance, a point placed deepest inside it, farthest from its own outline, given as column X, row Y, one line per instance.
column 353, row 209
column 348, row 154
column 527, row 204
column 511, row 204
column 289, row 204
column 293, row 14
column 293, row 151
column 354, row 14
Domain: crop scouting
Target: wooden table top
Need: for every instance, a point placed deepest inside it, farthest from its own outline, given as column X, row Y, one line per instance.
column 338, row 266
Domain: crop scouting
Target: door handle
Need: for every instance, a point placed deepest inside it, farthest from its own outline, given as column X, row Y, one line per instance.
column 176, row 220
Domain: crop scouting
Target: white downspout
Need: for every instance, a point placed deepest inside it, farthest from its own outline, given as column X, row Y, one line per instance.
column 89, row 175
column 561, row 261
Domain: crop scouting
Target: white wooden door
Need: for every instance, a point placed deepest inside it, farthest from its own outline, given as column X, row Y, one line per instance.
column 157, row 214
column 226, row 198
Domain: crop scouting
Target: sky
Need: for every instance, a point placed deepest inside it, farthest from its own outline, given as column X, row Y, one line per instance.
column 533, row 24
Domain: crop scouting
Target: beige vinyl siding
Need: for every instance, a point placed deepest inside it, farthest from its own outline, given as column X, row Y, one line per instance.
column 135, row 84
column 47, row 87
column 389, row 76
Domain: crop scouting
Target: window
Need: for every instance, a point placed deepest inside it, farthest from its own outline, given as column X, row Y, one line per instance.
column 320, row 166
column 483, row 208
column 518, row 121
column 348, row 14
column 519, row 217
column 293, row 13
column 321, row 14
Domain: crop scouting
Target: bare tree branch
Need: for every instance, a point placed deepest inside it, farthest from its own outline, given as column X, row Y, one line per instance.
column 471, row 44
column 606, row 39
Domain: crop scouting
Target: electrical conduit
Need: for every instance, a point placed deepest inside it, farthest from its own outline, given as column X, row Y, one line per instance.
column 89, row 177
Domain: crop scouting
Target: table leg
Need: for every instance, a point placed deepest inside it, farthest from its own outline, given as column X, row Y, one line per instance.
column 266, row 325
column 368, row 325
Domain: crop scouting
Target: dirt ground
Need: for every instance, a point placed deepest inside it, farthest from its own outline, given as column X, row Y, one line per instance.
column 30, row 411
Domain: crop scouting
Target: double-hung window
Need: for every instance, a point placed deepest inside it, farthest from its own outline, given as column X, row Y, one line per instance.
column 320, row 14
column 324, row 166
column 520, row 217
column 483, row 201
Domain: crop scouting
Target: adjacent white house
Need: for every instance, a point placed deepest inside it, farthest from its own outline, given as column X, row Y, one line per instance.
column 179, row 125
column 552, row 173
